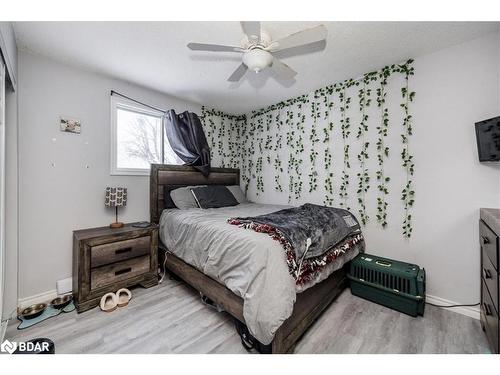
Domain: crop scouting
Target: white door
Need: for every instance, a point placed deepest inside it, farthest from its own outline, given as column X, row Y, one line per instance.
column 2, row 182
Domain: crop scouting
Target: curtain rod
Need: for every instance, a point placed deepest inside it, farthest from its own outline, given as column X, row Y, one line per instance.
column 137, row 101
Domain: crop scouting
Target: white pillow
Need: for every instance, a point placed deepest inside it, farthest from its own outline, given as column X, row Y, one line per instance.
column 237, row 193
column 183, row 198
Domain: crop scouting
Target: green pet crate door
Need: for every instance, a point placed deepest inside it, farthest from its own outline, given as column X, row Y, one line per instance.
column 398, row 285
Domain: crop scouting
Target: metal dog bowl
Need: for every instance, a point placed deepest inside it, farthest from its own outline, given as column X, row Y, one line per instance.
column 33, row 311
column 61, row 302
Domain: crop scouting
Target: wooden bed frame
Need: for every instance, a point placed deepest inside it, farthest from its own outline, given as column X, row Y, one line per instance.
column 310, row 303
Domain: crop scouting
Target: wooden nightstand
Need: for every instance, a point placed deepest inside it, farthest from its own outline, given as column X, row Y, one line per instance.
column 105, row 260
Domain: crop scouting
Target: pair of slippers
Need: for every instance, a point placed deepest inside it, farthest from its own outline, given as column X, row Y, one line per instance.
column 110, row 301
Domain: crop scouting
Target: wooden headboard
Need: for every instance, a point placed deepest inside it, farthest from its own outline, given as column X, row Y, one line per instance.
column 165, row 177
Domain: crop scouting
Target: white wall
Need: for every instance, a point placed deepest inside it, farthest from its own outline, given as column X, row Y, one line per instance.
column 455, row 87
column 54, row 201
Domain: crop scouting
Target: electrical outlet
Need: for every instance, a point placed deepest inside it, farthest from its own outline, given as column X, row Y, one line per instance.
column 64, row 286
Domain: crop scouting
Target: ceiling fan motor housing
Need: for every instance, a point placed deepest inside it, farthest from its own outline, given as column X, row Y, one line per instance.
column 255, row 42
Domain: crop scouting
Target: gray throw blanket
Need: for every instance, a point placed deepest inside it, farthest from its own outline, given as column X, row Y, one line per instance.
column 310, row 229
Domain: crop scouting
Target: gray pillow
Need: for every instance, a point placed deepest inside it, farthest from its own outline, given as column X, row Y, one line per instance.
column 237, row 193
column 183, row 198
column 213, row 196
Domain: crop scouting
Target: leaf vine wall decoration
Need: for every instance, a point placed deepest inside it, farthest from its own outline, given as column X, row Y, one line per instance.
column 258, row 165
column 290, row 135
column 223, row 133
column 364, row 96
column 220, row 137
column 276, row 148
column 345, row 127
column 244, row 167
column 328, row 201
column 295, row 153
column 327, row 94
column 313, row 138
column 249, row 145
column 408, row 193
column 276, row 137
column 382, row 149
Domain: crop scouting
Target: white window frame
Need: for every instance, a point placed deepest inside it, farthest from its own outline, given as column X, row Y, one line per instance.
column 119, row 102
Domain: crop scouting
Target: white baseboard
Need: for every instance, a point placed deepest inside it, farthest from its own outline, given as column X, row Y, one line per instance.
column 38, row 298
column 471, row 311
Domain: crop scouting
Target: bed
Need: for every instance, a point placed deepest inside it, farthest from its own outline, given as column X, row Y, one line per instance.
column 292, row 314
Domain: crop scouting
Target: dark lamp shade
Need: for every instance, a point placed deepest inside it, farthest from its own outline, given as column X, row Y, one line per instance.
column 115, row 197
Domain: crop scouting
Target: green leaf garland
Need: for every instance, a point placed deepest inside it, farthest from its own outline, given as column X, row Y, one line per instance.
column 254, row 143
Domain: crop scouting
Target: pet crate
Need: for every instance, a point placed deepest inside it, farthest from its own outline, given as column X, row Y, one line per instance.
column 394, row 284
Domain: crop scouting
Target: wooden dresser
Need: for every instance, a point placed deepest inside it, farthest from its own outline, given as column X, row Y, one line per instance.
column 105, row 260
column 489, row 232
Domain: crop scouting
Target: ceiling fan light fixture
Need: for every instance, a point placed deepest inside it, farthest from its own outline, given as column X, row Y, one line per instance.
column 257, row 59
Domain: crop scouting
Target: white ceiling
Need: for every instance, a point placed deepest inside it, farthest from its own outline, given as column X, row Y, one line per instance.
column 154, row 54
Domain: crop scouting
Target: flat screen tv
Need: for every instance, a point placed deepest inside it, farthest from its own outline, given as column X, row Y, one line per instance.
column 488, row 139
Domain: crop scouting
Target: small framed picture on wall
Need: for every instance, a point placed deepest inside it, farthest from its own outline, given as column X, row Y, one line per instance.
column 70, row 125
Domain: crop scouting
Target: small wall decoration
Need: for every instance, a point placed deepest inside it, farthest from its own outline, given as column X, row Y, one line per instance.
column 70, row 125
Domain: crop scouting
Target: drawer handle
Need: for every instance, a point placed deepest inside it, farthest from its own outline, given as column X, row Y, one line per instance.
column 123, row 251
column 121, row 272
column 486, row 273
column 486, row 240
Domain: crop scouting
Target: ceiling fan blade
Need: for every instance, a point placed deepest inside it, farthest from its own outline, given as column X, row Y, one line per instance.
column 238, row 73
column 213, row 47
column 299, row 38
column 251, row 29
column 304, row 49
column 283, row 70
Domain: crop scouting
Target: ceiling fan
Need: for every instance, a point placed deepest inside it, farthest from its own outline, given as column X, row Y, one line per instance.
column 258, row 47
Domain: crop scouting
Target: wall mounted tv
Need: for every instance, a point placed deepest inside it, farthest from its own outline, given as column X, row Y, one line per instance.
column 488, row 139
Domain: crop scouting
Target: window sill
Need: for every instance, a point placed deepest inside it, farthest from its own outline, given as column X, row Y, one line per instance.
column 130, row 172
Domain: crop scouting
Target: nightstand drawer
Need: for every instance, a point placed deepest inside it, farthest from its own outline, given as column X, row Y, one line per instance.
column 116, row 272
column 120, row 250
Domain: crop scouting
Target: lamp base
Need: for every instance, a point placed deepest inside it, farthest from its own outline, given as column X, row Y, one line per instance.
column 116, row 225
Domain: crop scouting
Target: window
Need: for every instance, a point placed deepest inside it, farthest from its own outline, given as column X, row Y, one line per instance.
column 137, row 138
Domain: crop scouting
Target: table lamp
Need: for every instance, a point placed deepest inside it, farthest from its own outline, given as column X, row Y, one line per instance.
column 115, row 197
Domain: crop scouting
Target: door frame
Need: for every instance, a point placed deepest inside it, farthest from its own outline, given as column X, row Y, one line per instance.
column 2, row 195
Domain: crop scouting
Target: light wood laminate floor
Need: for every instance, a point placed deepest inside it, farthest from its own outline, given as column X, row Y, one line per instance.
column 170, row 318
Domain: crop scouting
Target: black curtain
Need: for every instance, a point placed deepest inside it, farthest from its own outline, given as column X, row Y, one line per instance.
column 187, row 139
